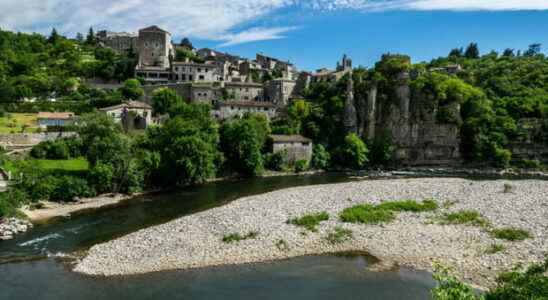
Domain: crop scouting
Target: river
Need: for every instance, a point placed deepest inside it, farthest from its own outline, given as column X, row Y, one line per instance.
column 34, row 265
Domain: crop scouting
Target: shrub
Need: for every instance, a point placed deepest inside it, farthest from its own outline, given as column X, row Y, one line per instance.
column 511, row 234
column 276, row 161
column 69, row 187
column 466, row 217
column 530, row 284
column 10, row 201
column 409, row 206
column 101, row 177
column 236, row 237
column 320, row 157
column 310, row 221
column 353, row 153
column 282, row 245
column 449, row 287
column 301, row 166
column 339, row 235
column 366, row 214
column 384, row 212
column 494, row 248
column 502, row 157
column 508, row 188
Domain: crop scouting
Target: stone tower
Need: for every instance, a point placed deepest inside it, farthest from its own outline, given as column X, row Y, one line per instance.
column 154, row 46
column 350, row 117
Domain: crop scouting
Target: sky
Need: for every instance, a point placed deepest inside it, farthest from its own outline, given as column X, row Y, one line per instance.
column 310, row 33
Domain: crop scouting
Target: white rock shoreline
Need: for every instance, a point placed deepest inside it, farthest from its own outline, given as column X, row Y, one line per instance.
column 411, row 239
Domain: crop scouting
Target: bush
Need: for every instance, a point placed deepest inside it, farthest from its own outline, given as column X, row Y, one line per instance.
column 69, row 187
column 515, row 285
column 276, row 161
column 301, row 166
column 502, row 157
column 353, row 153
column 511, row 234
column 310, row 221
column 384, row 212
column 366, row 214
column 101, row 177
column 409, row 206
column 494, row 248
column 236, row 237
column 467, row 217
column 320, row 157
column 339, row 235
column 10, row 201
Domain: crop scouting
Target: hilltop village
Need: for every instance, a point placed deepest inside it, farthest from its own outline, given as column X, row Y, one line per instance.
column 231, row 84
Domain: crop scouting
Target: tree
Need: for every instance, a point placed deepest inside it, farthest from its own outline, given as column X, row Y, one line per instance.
column 90, row 38
column 165, row 100
column 53, row 37
column 320, row 157
column 79, row 37
column 353, row 153
column 457, row 52
column 534, row 49
column 187, row 146
column 185, row 42
column 508, row 52
column 242, row 141
column 132, row 89
column 472, row 51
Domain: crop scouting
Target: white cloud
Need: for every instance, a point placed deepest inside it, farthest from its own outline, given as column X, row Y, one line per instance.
column 460, row 5
column 207, row 19
column 256, row 34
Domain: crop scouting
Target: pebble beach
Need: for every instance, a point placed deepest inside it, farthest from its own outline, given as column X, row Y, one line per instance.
column 411, row 239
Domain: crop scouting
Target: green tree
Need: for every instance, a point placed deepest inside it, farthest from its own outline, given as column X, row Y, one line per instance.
column 242, row 141
column 353, row 153
column 53, row 37
column 186, row 146
column 165, row 100
column 90, row 38
column 132, row 89
column 472, row 51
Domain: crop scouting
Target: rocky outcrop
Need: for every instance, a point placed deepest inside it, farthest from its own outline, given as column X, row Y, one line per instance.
column 413, row 127
column 12, row 226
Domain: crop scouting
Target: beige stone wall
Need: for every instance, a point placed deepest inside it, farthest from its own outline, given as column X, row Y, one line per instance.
column 295, row 150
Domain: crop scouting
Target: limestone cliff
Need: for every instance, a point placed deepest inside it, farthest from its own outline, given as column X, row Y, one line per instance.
column 417, row 135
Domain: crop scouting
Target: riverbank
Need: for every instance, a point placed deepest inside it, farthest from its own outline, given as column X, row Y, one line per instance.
column 52, row 210
column 411, row 239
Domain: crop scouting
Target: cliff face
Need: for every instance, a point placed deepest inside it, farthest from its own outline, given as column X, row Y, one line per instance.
column 412, row 124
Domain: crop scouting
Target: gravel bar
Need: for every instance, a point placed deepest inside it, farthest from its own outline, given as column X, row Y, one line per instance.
column 412, row 239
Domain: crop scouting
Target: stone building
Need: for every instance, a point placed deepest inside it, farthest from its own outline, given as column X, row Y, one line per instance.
column 155, row 54
column 244, row 91
column 230, row 109
column 138, row 113
column 195, row 72
column 279, row 91
column 297, row 147
column 121, row 42
column 326, row 75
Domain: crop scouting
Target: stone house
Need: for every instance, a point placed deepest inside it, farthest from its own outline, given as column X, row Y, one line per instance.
column 279, row 91
column 230, row 109
column 46, row 119
column 195, row 72
column 138, row 113
column 244, row 91
column 297, row 147
column 155, row 52
column 120, row 42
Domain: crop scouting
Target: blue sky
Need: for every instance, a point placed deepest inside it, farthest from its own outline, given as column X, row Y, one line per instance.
column 310, row 33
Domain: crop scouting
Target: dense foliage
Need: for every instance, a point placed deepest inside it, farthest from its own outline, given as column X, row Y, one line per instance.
column 529, row 284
